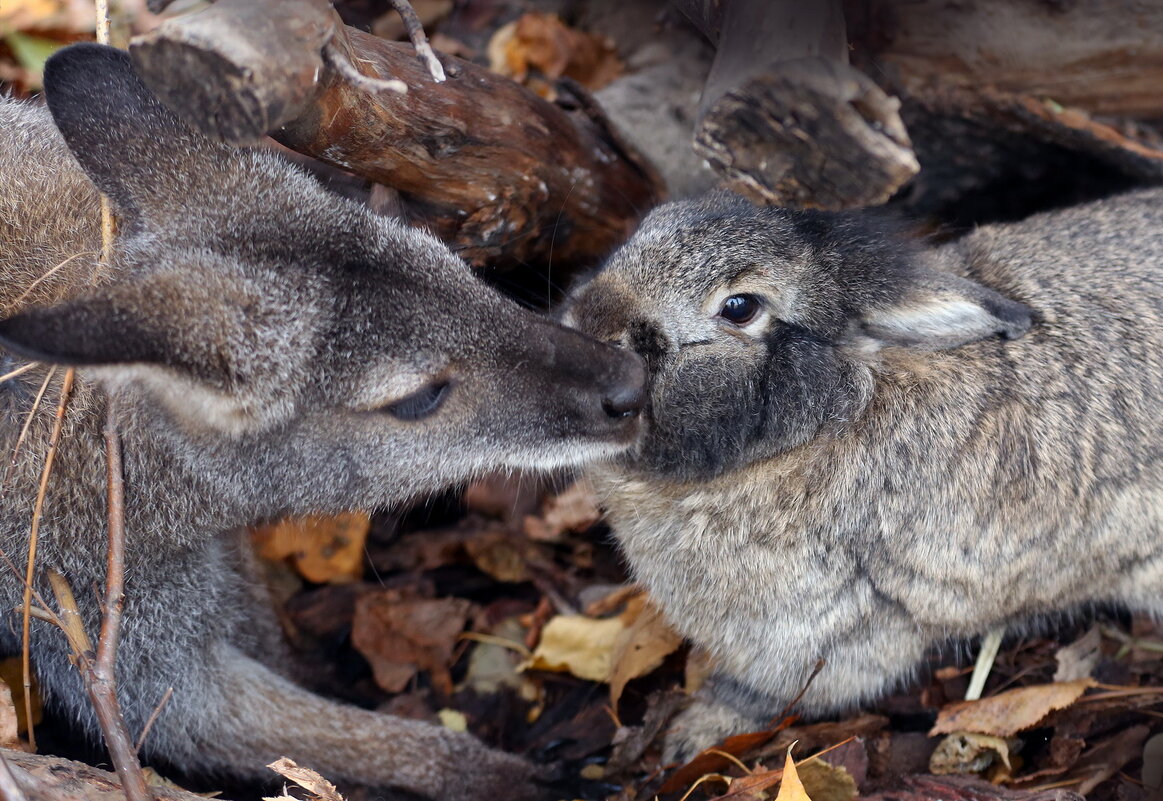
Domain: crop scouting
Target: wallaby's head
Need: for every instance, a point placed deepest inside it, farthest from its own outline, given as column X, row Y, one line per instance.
column 758, row 324
column 252, row 306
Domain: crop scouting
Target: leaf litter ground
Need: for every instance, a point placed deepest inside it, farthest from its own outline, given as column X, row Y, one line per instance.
column 506, row 610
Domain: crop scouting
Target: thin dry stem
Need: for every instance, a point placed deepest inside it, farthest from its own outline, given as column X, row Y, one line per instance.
column 24, row 430
column 49, row 274
column 337, row 59
column 18, row 371
column 30, row 572
column 419, row 40
column 157, row 710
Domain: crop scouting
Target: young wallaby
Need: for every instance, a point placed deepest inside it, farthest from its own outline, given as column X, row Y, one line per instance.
column 857, row 447
column 264, row 348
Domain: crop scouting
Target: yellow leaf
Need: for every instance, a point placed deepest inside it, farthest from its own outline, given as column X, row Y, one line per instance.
column 578, row 645
column 323, row 549
column 453, row 720
column 791, row 788
column 1010, row 712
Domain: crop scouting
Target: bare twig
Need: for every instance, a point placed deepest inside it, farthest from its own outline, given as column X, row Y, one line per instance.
column 416, row 34
column 30, row 572
column 338, row 59
column 18, row 371
column 157, row 710
column 102, row 680
column 27, row 425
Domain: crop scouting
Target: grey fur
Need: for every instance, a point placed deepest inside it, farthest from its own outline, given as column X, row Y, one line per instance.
column 251, row 338
column 906, row 445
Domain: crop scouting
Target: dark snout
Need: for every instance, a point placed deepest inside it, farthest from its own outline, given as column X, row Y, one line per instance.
column 607, row 385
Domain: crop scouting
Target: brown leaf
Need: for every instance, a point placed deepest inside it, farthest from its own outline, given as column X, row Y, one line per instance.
column 826, row 782
column 712, row 759
column 1010, row 712
column 12, row 675
column 641, row 647
column 306, row 778
column 576, row 509
column 543, row 42
column 400, row 636
column 9, row 726
column 1079, row 659
column 500, row 555
column 751, row 787
column 968, row 752
column 323, row 549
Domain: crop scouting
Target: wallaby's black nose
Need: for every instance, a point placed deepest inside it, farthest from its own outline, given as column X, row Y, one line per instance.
column 627, row 403
column 626, row 399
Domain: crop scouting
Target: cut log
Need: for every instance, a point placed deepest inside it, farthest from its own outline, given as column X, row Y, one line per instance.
column 47, row 778
column 1104, row 56
column 502, row 175
column 785, row 119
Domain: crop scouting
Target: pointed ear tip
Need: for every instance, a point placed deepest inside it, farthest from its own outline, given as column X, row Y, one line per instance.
column 86, row 58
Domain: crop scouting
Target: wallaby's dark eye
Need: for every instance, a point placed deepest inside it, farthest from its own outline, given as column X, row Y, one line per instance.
column 740, row 309
column 419, row 404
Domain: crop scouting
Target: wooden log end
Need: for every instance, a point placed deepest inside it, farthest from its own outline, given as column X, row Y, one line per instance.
column 237, row 71
column 809, row 133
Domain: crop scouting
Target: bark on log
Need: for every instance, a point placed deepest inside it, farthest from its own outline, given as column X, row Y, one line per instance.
column 785, row 119
column 47, row 778
column 1102, row 56
column 501, row 174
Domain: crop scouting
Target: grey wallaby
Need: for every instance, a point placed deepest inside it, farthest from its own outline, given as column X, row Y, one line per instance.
column 858, row 447
column 265, row 348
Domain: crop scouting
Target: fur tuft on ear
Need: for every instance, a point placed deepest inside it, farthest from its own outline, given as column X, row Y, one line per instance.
column 121, row 135
column 941, row 311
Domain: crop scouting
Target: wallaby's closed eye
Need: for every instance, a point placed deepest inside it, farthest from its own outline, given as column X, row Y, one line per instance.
column 856, row 447
column 265, row 348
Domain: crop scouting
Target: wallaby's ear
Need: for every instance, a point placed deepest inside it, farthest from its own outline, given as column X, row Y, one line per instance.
column 160, row 319
column 940, row 311
column 97, row 330
column 126, row 141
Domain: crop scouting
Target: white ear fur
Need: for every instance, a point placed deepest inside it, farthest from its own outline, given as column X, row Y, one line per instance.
column 942, row 311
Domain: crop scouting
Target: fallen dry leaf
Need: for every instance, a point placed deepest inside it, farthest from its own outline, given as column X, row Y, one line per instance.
column 826, row 782
column 751, row 787
column 791, row 788
column 969, row 752
column 640, row 647
column 543, row 42
column 306, row 778
column 323, row 549
column 1079, row 659
column 576, row 509
column 12, row 675
column 712, row 759
column 1010, row 712
column 400, row 636
column 578, row 645
column 500, row 555
column 9, row 725
column 614, row 649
